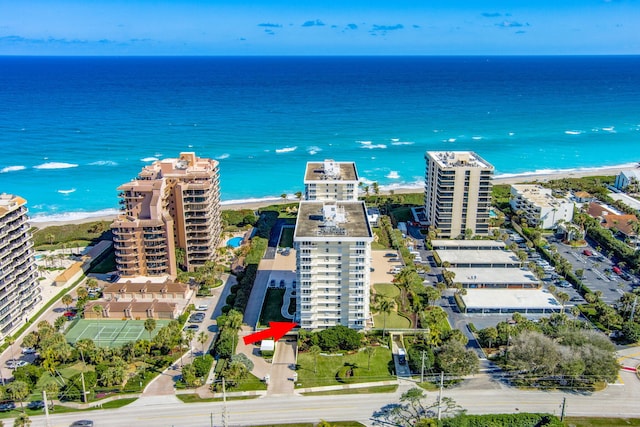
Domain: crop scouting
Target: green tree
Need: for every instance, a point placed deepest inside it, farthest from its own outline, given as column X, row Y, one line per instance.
column 385, row 306
column 202, row 339
column 412, row 410
column 315, row 352
column 19, row 391
column 52, row 388
column 67, row 300
column 370, row 352
column 150, row 325
column 22, row 420
column 454, row 358
column 82, row 293
column 488, row 336
column 10, row 340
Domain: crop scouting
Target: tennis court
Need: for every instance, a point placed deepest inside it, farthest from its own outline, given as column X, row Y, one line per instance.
column 111, row 333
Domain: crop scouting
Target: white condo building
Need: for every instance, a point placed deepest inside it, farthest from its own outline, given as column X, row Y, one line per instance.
column 333, row 261
column 457, row 193
column 19, row 290
column 331, row 180
column 539, row 206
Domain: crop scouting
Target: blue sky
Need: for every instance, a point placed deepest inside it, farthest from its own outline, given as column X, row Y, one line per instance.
column 309, row 27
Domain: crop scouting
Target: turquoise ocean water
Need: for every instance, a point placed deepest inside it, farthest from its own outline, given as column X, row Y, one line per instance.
column 73, row 128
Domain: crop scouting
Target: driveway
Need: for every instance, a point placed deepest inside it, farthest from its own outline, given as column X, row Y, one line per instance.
column 282, row 372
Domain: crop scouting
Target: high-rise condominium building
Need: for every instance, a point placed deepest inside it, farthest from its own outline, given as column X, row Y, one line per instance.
column 172, row 204
column 331, row 180
column 333, row 260
column 19, row 290
column 457, row 193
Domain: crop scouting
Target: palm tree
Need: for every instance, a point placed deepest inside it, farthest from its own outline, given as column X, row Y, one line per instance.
column 314, row 351
column 385, row 305
column 52, row 388
column 18, row 390
column 563, row 297
column 283, row 196
column 190, row 335
column 51, row 237
column 22, row 420
column 234, row 322
column 369, row 351
column 150, row 325
column 82, row 292
column 202, row 339
column 67, row 300
column 298, row 195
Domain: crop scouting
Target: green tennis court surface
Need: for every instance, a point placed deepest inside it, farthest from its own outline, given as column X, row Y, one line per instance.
column 111, row 333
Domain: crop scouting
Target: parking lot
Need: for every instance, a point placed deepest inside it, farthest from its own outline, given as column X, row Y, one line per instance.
column 598, row 274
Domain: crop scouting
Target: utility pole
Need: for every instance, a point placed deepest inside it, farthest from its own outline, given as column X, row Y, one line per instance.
column 440, row 394
column 211, row 418
column 46, row 407
column 422, row 370
column 84, row 390
column 633, row 308
column 225, row 422
column 564, row 404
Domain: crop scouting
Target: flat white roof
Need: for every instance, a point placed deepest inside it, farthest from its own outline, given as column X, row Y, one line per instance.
column 510, row 298
column 470, row 256
column 144, row 279
column 498, row 244
column 498, row 276
column 267, row 345
column 627, row 200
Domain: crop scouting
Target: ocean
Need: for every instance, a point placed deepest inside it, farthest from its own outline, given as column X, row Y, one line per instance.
column 74, row 128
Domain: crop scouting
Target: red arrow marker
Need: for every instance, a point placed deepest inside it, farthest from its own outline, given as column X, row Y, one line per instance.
column 276, row 331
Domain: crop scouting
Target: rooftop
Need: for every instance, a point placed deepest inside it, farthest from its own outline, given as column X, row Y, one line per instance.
column 468, row 244
column 9, row 202
column 478, row 257
column 332, row 219
column 510, row 298
column 458, row 159
column 626, row 199
column 330, row 170
column 496, row 276
column 539, row 195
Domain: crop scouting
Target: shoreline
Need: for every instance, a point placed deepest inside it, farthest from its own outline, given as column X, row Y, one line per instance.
column 526, row 177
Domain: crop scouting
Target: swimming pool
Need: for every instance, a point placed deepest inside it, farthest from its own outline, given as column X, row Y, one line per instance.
column 234, row 242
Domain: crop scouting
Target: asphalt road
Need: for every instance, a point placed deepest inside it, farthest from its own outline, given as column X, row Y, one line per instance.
column 618, row 400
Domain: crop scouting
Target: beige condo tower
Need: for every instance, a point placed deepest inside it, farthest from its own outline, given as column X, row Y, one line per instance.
column 457, row 193
column 172, row 204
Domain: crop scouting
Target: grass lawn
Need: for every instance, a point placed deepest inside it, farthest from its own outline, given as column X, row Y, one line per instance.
column 600, row 422
column 248, row 384
column 328, row 366
column 195, row 398
column 394, row 321
column 363, row 390
column 286, row 238
column 333, row 423
column 272, row 306
column 388, row 290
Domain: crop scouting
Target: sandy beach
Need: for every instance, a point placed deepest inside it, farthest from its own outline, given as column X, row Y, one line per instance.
column 511, row 179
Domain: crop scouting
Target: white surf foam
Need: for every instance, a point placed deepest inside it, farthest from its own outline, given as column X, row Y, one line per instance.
column 67, row 191
column 12, row 169
column 56, row 165
column 103, row 163
column 223, row 156
column 402, row 143
column 392, row 175
column 395, row 139
column 564, row 171
column 573, row 132
column 149, row 159
column 451, row 140
column 313, row 150
column 370, row 145
column 286, row 149
column 73, row 216
column 477, row 138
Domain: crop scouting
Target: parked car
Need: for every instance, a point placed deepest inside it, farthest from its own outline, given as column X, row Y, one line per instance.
column 192, row 327
column 36, row 404
column 7, row 406
column 202, row 307
column 616, row 269
column 587, row 252
column 82, row 423
column 390, row 255
column 16, row 363
column 28, row 350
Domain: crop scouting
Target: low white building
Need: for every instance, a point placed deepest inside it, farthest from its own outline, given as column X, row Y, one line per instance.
column 539, row 206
